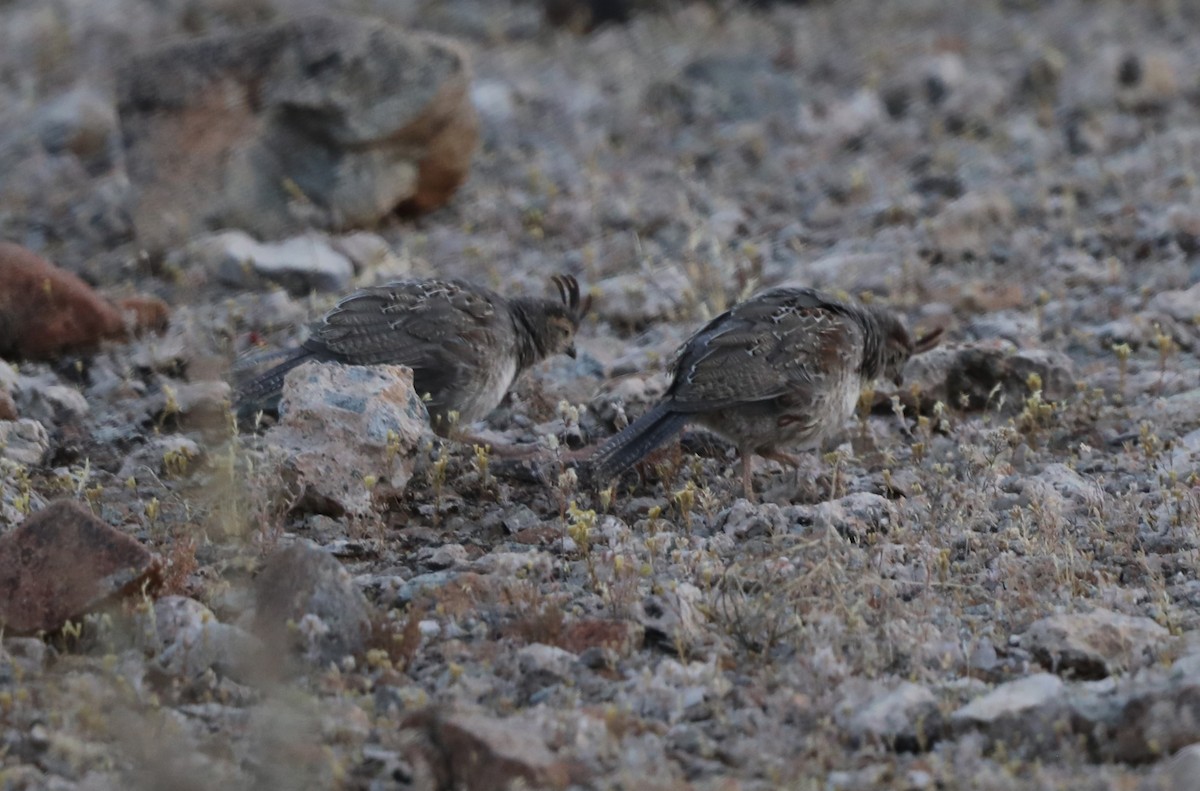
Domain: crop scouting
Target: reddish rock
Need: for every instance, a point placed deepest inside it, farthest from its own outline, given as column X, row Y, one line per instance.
column 8, row 409
column 476, row 752
column 46, row 311
column 63, row 562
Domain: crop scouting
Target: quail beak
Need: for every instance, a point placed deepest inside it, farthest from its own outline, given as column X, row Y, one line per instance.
column 898, row 379
column 570, row 351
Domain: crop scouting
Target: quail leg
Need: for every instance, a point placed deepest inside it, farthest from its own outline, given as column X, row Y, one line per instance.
column 747, row 468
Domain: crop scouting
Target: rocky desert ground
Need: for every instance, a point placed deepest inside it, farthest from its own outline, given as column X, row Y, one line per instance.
column 987, row 580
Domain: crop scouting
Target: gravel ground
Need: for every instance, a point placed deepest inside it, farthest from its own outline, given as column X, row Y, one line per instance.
column 988, row 580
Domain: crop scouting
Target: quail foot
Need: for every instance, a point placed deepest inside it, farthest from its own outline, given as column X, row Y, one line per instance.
column 776, row 373
column 465, row 344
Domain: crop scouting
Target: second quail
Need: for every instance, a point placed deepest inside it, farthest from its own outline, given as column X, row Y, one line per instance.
column 782, row 370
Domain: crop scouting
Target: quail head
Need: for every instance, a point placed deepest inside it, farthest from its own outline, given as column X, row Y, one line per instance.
column 465, row 344
column 781, row 370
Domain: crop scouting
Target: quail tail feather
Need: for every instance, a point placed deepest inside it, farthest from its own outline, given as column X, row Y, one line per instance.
column 633, row 443
column 261, row 392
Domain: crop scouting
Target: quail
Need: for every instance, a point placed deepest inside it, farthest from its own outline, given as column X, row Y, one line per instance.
column 782, row 370
column 465, row 344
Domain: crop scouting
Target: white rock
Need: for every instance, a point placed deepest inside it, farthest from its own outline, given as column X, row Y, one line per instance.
column 907, row 717
column 300, row 264
column 24, row 441
column 1013, row 702
column 348, row 433
column 367, row 250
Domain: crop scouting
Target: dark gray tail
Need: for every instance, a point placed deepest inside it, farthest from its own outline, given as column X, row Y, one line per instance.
column 260, row 393
column 632, row 444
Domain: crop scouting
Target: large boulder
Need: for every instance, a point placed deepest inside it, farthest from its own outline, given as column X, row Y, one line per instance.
column 320, row 121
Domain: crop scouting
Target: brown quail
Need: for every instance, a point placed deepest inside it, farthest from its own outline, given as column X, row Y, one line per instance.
column 466, row 344
column 783, row 369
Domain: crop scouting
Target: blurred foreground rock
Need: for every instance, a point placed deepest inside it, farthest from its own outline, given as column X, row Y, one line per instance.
column 474, row 751
column 186, row 640
column 347, row 433
column 331, row 122
column 61, row 563
column 46, row 311
column 306, row 600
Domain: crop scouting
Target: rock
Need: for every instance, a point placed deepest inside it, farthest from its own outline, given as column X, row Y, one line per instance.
column 444, row 557
column 964, row 227
column 186, row 640
column 1146, row 83
column 300, row 264
column 1173, row 416
column 979, row 377
column 672, row 619
column 744, row 519
column 8, row 409
column 1183, row 769
column 24, row 441
column 83, row 123
column 857, row 514
column 729, row 87
column 322, row 121
column 622, row 638
column 1153, row 719
column 907, row 718
column 854, row 272
column 341, row 425
column 1073, row 486
column 1079, row 268
column 541, row 665
column 30, row 655
column 307, row 600
column 368, row 251
column 1181, row 305
column 1183, row 221
column 635, row 300
column 1096, row 644
column 167, row 456
column 472, row 750
column 44, row 398
column 46, row 311
column 1025, row 712
column 63, row 562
